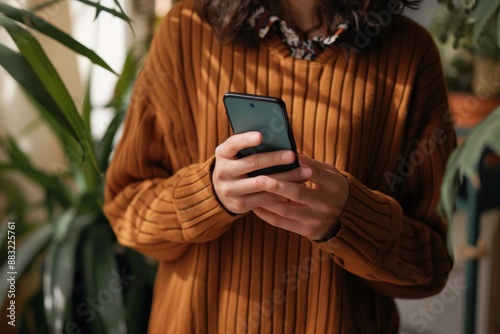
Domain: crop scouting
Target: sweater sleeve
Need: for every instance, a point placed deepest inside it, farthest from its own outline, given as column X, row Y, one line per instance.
column 159, row 198
column 397, row 244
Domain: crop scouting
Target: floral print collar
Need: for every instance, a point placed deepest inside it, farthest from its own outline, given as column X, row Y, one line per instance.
column 262, row 21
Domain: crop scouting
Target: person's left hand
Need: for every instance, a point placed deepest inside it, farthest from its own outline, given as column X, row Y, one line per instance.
column 313, row 209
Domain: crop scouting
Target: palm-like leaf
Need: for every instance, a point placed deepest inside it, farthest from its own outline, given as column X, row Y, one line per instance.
column 125, row 82
column 15, row 203
column 47, row 74
column 103, row 274
column 21, row 71
column 20, row 162
column 119, row 102
column 59, row 267
column 464, row 162
column 36, row 22
column 484, row 12
column 100, row 8
column 82, row 231
column 96, row 4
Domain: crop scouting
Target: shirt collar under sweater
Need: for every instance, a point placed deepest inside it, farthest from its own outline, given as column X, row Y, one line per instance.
column 263, row 21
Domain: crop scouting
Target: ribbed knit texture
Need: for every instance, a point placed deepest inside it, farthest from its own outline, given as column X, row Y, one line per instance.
column 378, row 116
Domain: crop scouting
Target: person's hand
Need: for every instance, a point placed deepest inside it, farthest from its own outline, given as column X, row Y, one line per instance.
column 238, row 192
column 312, row 210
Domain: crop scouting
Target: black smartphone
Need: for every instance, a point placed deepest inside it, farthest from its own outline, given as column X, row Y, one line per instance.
column 268, row 115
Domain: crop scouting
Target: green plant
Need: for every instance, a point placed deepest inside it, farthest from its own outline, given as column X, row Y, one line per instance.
column 81, row 259
column 470, row 185
column 473, row 24
column 469, row 35
column 464, row 163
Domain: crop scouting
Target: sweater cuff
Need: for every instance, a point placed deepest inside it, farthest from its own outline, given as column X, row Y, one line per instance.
column 369, row 223
column 201, row 214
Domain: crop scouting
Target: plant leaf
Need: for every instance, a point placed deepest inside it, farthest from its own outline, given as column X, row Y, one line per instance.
column 125, row 82
column 99, row 8
column 87, row 104
column 91, row 178
column 21, row 163
column 105, row 146
column 30, row 127
column 33, row 318
column 58, row 272
column 25, row 255
column 3, row 234
column 14, row 206
column 43, row 5
column 481, row 15
column 36, row 57
column 96, row 5
column 21, row 71
column 465, row 160
column 103, row 278
column 39, row 24
column 119, row 102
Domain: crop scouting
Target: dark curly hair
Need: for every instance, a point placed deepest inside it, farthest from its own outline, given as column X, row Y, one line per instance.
column 228, row 17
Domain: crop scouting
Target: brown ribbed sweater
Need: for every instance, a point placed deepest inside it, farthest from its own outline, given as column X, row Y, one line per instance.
column 378, row 116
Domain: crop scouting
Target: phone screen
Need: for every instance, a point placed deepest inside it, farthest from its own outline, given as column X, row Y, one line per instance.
column 268, row 116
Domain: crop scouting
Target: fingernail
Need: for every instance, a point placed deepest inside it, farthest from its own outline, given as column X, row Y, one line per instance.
column 255, row 138
column 288, row 156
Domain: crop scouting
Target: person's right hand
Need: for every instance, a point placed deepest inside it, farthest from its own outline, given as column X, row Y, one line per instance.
column 235, row 189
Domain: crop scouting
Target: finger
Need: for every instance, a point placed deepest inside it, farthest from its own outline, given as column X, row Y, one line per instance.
column 296, row 192
column 285, row 223
column 237, row 187
column 310, row 229
column 321, row 171
column 243, row 204
column 230, row 148
column 306, row 161
column 276, row 220
column 291, row 210
column 296, row 175
column 261, row 160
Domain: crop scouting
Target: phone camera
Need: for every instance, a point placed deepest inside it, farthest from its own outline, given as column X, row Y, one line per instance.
column 252, row 105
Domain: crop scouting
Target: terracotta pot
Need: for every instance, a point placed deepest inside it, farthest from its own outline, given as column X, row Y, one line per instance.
column 467, row 110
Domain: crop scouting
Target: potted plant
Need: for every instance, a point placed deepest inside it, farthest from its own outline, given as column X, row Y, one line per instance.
column 73, row 250
column 468, row 34
column 471, row 185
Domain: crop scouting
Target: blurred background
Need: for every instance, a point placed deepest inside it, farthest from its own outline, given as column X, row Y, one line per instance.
column 78, row 59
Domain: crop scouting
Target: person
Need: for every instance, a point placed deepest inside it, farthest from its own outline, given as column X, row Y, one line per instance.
column 326, row 247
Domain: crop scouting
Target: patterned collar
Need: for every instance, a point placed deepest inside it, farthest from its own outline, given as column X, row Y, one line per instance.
column 262, row 21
